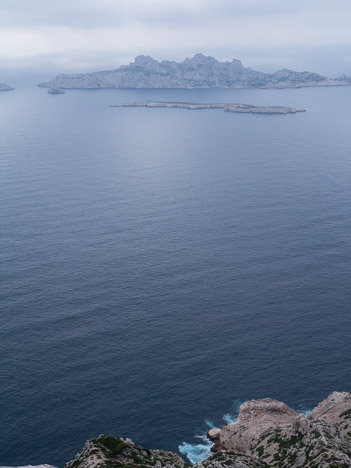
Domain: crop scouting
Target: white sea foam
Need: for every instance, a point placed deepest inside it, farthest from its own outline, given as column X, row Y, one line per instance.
column 209, row 423
column 229, row 418
column 305, row 412
column 195, row 453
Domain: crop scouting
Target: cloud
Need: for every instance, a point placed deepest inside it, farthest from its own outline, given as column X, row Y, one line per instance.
column 97, row 13
column 83, row 33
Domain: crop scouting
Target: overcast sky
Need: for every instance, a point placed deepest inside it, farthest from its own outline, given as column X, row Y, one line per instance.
column 87, row 35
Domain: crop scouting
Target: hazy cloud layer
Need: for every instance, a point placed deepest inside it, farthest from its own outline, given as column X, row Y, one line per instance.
column 88, row 34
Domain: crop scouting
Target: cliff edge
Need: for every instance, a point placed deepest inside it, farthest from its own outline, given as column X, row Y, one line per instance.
column 270, row 432
column 267, row 433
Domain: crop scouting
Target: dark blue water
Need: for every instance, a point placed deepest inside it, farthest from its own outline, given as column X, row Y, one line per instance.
column 159, row 265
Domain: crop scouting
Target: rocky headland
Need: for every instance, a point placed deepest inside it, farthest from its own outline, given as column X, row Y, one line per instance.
column 267, row 433
column 5, row 87
column 272, row 434
column 199, row 71
column 237, row 108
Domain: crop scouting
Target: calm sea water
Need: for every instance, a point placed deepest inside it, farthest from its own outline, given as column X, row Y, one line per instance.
column 160, row 266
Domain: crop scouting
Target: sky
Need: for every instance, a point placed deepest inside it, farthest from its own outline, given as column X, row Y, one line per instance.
column 89, row 35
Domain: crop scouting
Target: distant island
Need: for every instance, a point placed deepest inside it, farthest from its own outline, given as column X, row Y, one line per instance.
column 199, row 71
column 238, row 108
column 5, row 87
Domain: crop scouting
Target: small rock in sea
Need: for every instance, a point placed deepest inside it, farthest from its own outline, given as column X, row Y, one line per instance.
column 56, row 91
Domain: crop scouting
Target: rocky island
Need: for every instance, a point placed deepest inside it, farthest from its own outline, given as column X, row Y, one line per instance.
column 56, row 91
column 267, row 433
column 237, row 108
column 5, row 87
column 199, row 71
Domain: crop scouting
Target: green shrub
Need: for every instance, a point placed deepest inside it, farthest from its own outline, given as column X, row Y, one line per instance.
column 114, row 445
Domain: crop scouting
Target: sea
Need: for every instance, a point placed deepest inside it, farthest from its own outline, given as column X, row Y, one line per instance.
column 161, row 266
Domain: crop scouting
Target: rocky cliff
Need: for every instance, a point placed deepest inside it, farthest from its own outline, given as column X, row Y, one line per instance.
column 196, row 72
column 114, row 452
column 267, row 433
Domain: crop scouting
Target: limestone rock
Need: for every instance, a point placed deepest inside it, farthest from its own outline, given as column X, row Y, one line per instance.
column 270, row 432
column 114, row 452
column 344, row 78
column 214, row 433
column 199, row 71
column 56, row 91
column 29, row 466
column 237, row 108
column 334, row 409
column 267, row 433
column 231, row 459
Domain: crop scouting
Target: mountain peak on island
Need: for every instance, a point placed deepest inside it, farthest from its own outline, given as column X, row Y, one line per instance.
column 200, row 59
column 199, row 71
column 144, row 60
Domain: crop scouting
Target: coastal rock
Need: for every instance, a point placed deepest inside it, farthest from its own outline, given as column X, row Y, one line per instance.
column 344, row 78
column 29, row 466
column 56, row 91
column 334, row 409
column 231, row 459
column 114, row 452
column 269, row 431
column 214, row 433
column 236, row 108
column 199, row 71
column 5, row 87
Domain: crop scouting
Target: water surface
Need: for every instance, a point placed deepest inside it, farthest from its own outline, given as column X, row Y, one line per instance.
column 160, row 265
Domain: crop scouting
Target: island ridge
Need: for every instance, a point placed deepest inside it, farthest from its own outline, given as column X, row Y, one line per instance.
column 199, row 71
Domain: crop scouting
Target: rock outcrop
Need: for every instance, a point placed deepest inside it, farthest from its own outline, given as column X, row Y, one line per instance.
column 236, row 108
column 30, row 466
column 5, row 87
column 114, row 452
column 196, row 72
column 344, row 78
column 56, row 91
column 268, row 431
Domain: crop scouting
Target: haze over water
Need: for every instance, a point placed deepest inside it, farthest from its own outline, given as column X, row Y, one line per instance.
column 159, row 265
